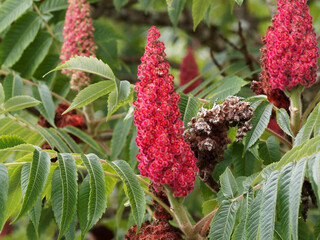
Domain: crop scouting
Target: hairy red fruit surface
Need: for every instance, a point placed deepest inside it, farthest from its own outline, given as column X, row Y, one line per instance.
column 189, row 70
column 78, row 39
column 163, row 156
column 291, row 47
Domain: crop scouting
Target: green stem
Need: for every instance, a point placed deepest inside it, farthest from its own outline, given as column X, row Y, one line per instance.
column 14, row 164
column 310, row 107
column 202, row 222
column 88, row 112
column 181, row 217
column 295, row 108
column 280, row 138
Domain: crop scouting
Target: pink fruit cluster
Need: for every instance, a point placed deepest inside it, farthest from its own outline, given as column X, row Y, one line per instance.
column 292, row 46
column 189, row 70
column 78, row 39
column 163, row 156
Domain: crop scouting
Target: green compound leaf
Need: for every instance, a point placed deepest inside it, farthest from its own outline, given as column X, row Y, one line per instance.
column 84, row 137
column 239, row 2
column 96, row 200
column 284, row 121
column 239, row 233
column 40, row 168
column 229, row 185
column 252, row 225
column 199, row 9
column 229, row 87
column 87, row 64
column 2, row 95
column 189, row 107
column 119, row 137
column 283, row 199
column 9, row 141
column 97, row 195
column 312, row 124
column 295, row 196
column 10, row 10
column 259, row 123
column 223, row 222
column 145, row 4
column 34, row 55
column 14, row 192
column 20, row 35
column 134, row 190
column 119, row 3
column 53, row 139
column 64, row 192
column 314, row 175
column 20, row 102
column 48, row 6
column 269, row 151
column 122, row 95
column 46, row 108
column 35, row 212
column 12, row 86
column 83, row 205
column 268, row 207
column 306, row 149
column 4, row 186
column 175, row 10
column 68, row 140
column 91, row 93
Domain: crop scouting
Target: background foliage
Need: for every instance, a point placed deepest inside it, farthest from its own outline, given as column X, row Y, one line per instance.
column 262, row 177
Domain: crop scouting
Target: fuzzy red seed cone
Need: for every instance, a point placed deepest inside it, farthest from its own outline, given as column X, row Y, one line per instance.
column 189, row 70
column 291, row 46
column 163, row 156
column 78, row 39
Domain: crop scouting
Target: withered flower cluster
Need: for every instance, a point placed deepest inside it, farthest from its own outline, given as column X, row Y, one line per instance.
column 207, row 134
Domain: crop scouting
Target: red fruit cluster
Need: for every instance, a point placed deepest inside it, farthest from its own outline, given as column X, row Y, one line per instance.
column 78, row 39
column 208, row 133
column 189, row 70
column 163, row 156
column 69, row 119
column 275, row 96
column 160, row 229
column 291, row 46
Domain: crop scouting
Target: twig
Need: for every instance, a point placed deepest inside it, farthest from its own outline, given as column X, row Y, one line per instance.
column 199, row 225
column 206, row 226
column 203, row 224
column 116, row 116
column 223, row 73
column 104, row 146
column 35, row 84
column 280, row 138
column 253, row 58
column 23, row 124
column 204, row 101
column 245, row 52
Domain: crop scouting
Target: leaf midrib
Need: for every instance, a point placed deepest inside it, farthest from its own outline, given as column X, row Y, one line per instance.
column 135, row 198
column 94, row 97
